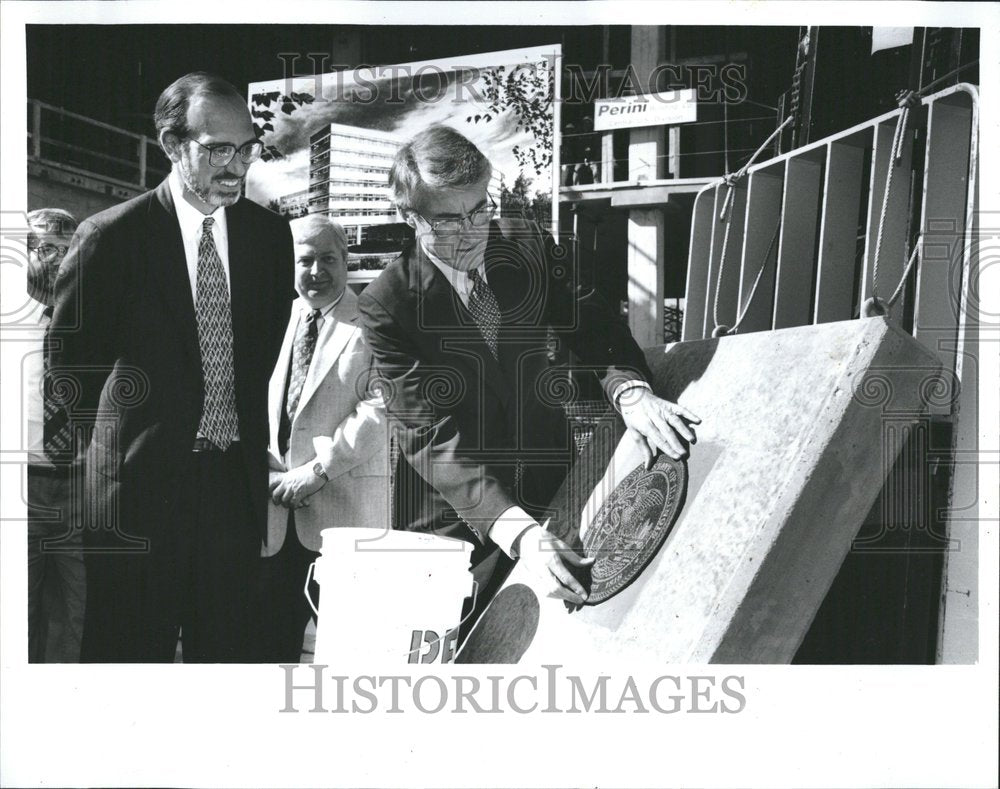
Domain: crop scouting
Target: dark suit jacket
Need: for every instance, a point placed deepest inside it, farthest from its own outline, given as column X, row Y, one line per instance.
column 124, row 330
column 464, row 419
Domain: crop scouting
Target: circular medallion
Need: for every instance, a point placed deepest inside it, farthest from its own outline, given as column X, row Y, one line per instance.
column 632, row 524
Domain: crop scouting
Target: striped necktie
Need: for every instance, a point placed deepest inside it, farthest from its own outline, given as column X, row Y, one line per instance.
column 219, row 422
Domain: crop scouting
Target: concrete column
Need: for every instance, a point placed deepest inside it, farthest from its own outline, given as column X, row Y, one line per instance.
column 646, row 161
column 607, row 157
column 674, row 157
column 645, row 275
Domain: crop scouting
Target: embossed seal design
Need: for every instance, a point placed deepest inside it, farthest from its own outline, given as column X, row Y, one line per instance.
column 632, row 524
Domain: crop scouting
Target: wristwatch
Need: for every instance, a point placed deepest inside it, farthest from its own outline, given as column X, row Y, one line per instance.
column 319, row 471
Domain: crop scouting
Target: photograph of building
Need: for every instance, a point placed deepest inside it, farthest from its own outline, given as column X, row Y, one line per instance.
column 334, row 135
column 348, row 177
column 349, row 182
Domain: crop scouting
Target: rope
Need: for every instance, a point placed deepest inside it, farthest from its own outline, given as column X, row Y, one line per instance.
column 875, row 305
column 906, row 273
column 907, row 100
column 731, row 180
column 756, row 282
column 949, row 75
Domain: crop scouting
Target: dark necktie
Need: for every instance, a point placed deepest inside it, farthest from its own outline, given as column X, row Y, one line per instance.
column 302, row 354
column 219, row 422
column 485, row 309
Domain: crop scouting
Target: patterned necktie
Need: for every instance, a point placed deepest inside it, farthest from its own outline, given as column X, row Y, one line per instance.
column 56, row 429
column 485, row 309
column 219, row 422
column 302, row 353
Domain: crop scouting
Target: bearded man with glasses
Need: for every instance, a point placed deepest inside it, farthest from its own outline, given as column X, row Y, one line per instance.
column 170, row 310
column 459, row 329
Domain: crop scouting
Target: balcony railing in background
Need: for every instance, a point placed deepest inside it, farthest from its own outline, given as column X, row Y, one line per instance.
column 65, row 139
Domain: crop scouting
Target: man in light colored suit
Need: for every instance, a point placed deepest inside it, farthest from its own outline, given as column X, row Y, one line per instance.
column 329, row 438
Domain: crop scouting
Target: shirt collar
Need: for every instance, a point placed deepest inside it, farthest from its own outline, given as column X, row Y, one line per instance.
column 326, row 311
column 459, row 280
column 189, row 217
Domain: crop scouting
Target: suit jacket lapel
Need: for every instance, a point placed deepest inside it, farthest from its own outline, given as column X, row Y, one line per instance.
column 241, row 279
column 171, row 267
column 441, row 305
column 279, row 377
column 337, row 330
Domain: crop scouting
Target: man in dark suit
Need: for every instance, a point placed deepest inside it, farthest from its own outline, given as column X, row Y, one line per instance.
column 458, row 327
column 170, row 310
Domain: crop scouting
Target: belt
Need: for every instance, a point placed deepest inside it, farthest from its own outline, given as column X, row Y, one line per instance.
column 204, row 445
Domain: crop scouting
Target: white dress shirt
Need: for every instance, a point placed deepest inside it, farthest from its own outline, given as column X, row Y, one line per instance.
column 459, row 280
column 190, row 220
column 324, row 313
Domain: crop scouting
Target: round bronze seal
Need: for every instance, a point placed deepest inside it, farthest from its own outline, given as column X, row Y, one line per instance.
column 632, row 524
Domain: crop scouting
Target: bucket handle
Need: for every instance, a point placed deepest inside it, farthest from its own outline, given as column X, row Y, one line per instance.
column 312, row 571
column 475, row 597
column 305, row 589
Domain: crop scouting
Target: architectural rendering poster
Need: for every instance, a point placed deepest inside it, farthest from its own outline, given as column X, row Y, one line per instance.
column 330, row 139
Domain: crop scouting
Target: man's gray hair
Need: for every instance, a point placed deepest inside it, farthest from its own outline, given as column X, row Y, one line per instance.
column 52, row 221
column 437, row 157
column 313, row 223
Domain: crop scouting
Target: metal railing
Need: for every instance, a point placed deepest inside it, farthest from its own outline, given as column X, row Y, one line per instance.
column 62, row 138
column 810, row 236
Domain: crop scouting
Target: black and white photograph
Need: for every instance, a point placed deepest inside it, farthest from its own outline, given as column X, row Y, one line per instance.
column 499, row 394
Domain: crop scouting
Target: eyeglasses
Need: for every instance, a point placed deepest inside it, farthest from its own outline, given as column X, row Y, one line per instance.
column 221, row 154
column 48, row 252
column 480, row 217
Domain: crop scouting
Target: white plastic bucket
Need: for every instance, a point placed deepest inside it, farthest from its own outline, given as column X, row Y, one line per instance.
column 389, row 597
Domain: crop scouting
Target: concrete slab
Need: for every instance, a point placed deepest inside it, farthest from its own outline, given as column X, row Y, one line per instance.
column 789, row 459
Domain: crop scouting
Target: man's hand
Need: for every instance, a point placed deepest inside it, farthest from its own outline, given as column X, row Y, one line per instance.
column 293, row 488
column 549, row 559
column 660, row 423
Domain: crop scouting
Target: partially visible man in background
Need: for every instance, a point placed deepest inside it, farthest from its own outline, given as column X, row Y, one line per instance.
column 329, row 439
column 57, row 589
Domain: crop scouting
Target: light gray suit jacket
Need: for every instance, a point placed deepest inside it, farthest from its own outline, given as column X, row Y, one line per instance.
column 337, row 422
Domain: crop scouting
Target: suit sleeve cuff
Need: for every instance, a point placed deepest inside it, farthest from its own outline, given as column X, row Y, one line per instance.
column 508, row 527
column 626, row 386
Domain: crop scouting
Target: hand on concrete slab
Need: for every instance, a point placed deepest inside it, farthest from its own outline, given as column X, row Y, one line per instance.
column 663, row 426
column 294, row 487
column 550, row 560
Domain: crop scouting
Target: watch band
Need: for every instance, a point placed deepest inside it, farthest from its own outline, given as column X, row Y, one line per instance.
column 319, row 471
